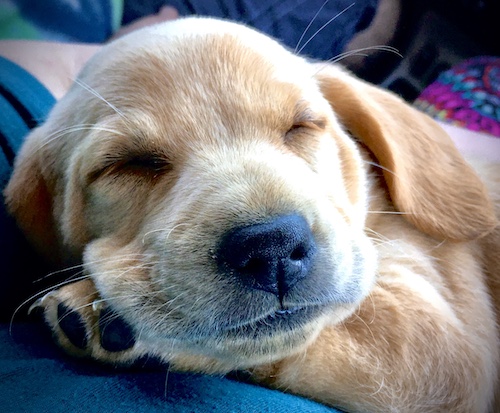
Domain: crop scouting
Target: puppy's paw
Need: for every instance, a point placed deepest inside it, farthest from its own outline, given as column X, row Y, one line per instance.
column 84, row 326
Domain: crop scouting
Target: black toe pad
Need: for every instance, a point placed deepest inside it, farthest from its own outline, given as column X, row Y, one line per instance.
column 72, row 325
column 116, row 334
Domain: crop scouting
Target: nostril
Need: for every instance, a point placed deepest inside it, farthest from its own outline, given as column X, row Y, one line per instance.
column 299, row 253
column 254, row 266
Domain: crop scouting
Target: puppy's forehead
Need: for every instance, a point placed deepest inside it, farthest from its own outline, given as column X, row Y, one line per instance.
column 221, row 46
column 286, row 64
column 200, row 74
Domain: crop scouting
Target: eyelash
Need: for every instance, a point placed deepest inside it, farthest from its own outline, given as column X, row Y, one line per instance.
column 141, row 164
column 148, row 162
column 307, row 128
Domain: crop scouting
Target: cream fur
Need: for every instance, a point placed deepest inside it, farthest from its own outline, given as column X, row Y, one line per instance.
column 188, row 129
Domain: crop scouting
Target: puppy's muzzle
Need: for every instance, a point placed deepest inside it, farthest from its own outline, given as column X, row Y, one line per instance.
column 271, row 256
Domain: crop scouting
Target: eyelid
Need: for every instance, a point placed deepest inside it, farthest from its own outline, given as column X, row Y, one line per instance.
column 147, row 160
column 137, row 163
column 318, row 124
column 307, row 119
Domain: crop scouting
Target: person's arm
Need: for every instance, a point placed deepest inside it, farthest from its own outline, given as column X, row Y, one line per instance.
column 56, row 64
column 474, row 144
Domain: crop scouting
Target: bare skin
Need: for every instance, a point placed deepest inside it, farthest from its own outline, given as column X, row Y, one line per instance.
column 56, row 65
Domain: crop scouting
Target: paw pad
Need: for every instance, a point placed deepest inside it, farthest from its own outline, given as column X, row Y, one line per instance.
column 116, row 334
column 72, row 325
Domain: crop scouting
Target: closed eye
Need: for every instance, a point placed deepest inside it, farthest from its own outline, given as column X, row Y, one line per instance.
column 151, row 163
column 316, row 124
column 305, row 126
column 147, row 165
column 306, row 120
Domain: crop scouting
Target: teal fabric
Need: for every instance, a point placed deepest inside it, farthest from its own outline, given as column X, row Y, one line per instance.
column 90, row 21
column 11, row 124
column 26, row 94
column 36, row 378
column 24, row 102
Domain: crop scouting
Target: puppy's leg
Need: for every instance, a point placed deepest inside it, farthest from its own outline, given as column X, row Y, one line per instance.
column 84, row 326
column 388, row 358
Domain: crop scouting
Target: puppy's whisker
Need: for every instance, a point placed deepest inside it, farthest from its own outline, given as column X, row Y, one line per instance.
column 359, row 52
column 119, row 274
column 58, row 272
column 309, row 25
column 325, row 25
column 128, row 260
column 169, row 230
column 377, row 165
column 389, row 212
column 356, row 52
column 377, row 236
column 114, row 298
column 165, row 305
column 165, row 390
column 113, row 259
column 99, row 96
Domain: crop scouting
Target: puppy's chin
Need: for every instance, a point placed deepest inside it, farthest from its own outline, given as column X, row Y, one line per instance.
column 229, row 351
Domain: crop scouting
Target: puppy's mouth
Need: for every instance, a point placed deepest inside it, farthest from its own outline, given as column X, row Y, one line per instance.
column 280, row 320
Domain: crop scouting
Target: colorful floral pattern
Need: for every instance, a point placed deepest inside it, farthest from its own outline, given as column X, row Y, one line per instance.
column 468, row 95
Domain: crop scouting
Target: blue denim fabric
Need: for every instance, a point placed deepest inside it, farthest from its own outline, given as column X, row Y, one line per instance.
column 35, row 377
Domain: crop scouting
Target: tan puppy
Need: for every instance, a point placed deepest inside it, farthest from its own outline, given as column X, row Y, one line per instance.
column 238, row 207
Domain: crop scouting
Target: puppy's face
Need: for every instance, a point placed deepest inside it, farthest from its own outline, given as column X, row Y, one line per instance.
column 219, row 205
column 199, row 171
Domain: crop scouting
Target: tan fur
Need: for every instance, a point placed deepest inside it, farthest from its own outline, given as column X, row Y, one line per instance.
column 407, row 274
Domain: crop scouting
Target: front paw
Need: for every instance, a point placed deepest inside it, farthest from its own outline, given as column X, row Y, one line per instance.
column 84, row 326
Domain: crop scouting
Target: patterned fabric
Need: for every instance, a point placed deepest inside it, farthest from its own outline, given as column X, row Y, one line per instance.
column 467, row 95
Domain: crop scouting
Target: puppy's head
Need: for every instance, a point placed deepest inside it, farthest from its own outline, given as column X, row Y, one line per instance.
column 201, row 172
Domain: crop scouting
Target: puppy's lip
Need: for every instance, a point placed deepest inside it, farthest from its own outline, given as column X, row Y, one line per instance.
column 281, row 319
column 283, row 312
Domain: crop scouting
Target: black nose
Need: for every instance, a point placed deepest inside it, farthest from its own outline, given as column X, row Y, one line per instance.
column 271, row 256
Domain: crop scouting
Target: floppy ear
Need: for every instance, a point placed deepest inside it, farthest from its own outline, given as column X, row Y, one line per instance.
column 28, row 197
column 427, row 177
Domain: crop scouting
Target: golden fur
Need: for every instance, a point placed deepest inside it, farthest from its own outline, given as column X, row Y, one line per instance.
column 178, row 133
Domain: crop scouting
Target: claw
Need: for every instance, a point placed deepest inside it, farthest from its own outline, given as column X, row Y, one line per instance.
column 40, row 302
column 97, row 306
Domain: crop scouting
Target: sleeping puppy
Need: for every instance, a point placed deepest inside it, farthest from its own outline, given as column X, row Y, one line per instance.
column 235, row 206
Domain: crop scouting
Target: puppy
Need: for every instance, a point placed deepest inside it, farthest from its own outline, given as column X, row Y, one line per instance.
column 235, row 206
